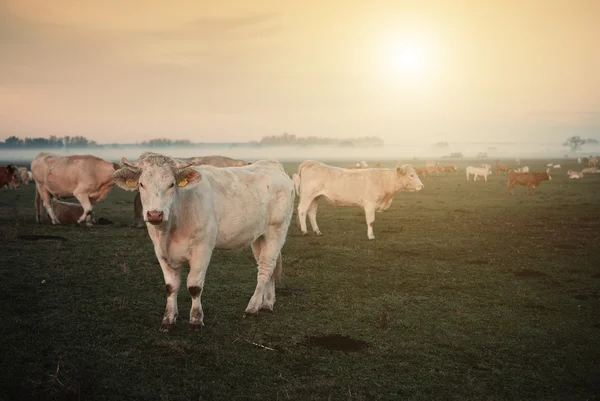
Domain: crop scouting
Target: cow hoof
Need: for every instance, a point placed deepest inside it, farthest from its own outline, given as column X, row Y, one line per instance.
column 166, row 327
column 195, row 326
column 250, row 314
column 318, row 233
column 267, row 308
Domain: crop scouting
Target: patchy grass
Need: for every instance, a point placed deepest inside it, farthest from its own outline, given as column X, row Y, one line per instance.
column 466, row 293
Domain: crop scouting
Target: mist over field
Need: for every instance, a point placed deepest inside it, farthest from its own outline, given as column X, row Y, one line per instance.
column 331, row 153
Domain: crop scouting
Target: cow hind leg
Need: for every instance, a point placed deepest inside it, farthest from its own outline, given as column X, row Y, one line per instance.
column 38, row 206
column 46, row 201
column 303, row 207
column 312, row 216
column 84, row 200
column 270, row 252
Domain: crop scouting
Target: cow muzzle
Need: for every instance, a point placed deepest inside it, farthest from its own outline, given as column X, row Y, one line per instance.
column 155, row 216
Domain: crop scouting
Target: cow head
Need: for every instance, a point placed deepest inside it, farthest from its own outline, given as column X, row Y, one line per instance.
column 548, row 172
column 158, row 179
column 407, row 179
column 13, row 171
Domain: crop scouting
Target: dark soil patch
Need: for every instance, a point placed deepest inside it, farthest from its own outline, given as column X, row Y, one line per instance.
column 596, row 326
column 35, row 237
column 103, row 221
column 529, row 273
column 581, row 297
column 336, row 342
column 597, row 275
column 290, row 291
column 478, row 262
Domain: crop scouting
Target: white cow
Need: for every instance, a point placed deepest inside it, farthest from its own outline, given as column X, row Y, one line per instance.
column 372, row 189
column 549, row 164
column 478, row 171
column 575, row 174
column 524, row 169
column 189, row 211
column 556, row 166
column 579, row 160
column 590, row 170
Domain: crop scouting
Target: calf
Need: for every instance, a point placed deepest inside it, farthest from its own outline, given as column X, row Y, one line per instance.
column 191, row 211
column 66, row 212
column 532, row 180
column 478, row 171
column 371, row 189
column 24, row 175
column 9, row 176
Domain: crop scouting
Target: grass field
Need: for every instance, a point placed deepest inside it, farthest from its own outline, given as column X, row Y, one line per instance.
column 466, row 293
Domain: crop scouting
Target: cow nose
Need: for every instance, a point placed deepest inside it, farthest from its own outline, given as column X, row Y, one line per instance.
column 154, row 216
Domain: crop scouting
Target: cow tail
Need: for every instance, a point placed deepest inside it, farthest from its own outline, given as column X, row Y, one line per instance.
column 296, row 179
column 278, row 269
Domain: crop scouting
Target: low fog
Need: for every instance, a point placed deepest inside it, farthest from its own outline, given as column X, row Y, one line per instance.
column 327, row 153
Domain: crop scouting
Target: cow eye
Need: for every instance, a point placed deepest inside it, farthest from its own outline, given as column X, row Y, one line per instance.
column 141, row 185
column 172, row 185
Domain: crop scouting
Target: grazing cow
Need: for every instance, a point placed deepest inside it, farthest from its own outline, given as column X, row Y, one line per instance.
column 24, row 175
column 377, row 165
column 9, row 176
column 66, row 212
column 371, row 189
column 579, row 160
column 556, row 166
column 532, row 180
column 191, row 211
column 590, row 170
column 524, row 169
column 215, row 161
column 593, row 161
column 422, row 172
column 478, row 171
column 87, row 178
column 575, row 174
column 489, row 166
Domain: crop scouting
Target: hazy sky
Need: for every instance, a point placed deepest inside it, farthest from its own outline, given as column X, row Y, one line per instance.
column 408, row 71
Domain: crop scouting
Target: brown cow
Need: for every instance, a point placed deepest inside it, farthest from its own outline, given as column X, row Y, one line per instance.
column 421, row 171
column 532, row 180
column 65, row 212
column 215, row 161
column 86, row 177
column 9, row 175
column 447, row 169
column 502, row 168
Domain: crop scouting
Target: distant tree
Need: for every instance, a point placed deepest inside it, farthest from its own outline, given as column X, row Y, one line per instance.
column 591, row 141
column 441, row 145
column 574, row 143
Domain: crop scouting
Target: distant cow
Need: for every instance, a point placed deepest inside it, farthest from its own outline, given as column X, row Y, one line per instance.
column 192, row 210
column 87, row 178
column 550, row 165
column 421, row 172
column 501, row 168
column 478, row 171
column 215, row 161
column 524, row 169
column 593, row 161
column 370, row 189
column 431, row 167
column 556, row 166
column 9, row 176
column 24, row 175
column 531, row 180
column 579, row 160
column 447, row 169
column 574, row 174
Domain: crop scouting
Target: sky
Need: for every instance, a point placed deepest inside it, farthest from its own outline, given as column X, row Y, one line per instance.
column 407, row 71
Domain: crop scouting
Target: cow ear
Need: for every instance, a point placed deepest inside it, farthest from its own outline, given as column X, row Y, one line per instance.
column 127, row 178
column 401, row 170
column 187, row 177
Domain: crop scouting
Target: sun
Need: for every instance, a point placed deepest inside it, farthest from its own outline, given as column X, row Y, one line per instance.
column 407, row 59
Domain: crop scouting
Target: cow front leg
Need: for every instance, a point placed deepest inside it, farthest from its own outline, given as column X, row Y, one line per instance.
column 370, row 217
column 84, row 200
column 172, row 283
column 46, row 201
column 303, row 207
column 199, row 260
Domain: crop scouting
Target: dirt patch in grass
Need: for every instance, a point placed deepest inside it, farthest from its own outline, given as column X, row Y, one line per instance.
column 596, row 326
column 529, row 273
column 479, row 262
column 581, row 297
column 36, row 237
column 597, row 275
column 290, row 291
column 335, row 342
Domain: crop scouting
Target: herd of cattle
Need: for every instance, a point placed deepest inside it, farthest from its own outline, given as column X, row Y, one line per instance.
column 193, row 206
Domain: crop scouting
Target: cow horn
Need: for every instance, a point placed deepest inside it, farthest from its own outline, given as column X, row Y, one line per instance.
column 127, row 163
column 181, row 166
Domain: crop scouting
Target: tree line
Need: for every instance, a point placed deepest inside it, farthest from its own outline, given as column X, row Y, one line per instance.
column 54, row 142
